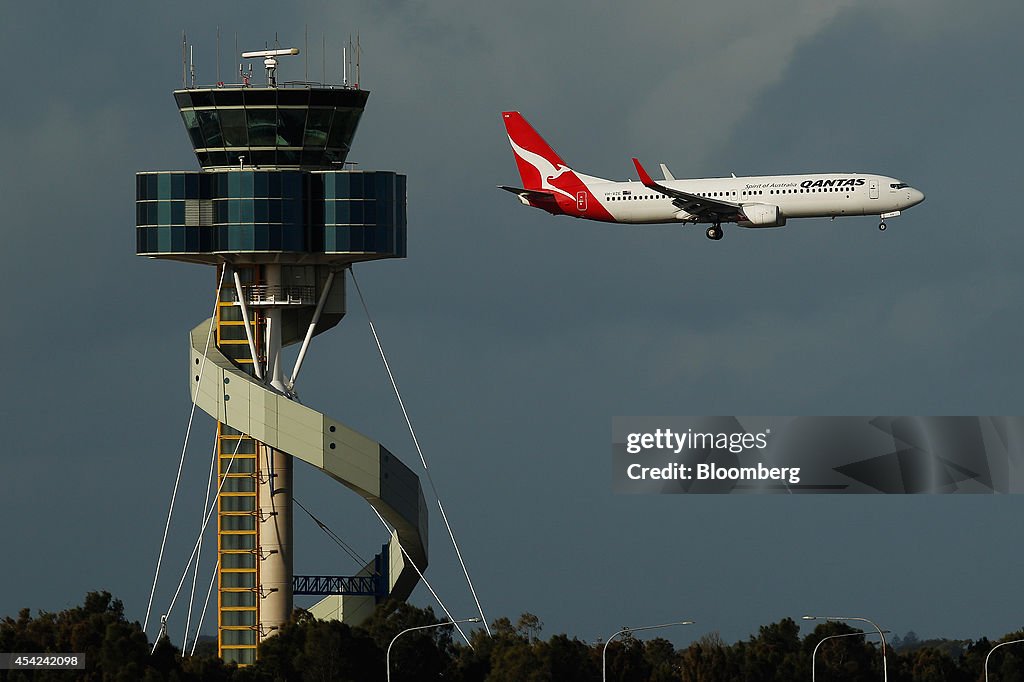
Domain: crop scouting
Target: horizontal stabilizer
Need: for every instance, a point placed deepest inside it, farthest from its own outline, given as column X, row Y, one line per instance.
column 535, row 194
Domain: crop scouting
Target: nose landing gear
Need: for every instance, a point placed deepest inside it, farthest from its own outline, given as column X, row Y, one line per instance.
column 882, row 226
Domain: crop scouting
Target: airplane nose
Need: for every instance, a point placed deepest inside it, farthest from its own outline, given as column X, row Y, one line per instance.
column 916, row 196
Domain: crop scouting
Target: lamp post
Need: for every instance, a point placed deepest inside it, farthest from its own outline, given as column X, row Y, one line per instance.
column 387, row 657
column 1016, row 641
column 885, row 671
column 848, row 634
column 604, row 651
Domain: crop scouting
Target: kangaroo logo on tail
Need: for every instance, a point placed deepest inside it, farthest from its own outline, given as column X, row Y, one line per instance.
column 537, row 172
column 548, row 182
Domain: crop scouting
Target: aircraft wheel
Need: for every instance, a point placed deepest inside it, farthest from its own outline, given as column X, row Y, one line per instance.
column 882, row 226
column 712, row 233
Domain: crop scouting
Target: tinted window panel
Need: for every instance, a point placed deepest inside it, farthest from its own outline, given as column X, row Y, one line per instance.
column 262, row 127
column 163, row 186
column 209, row 124
column 261, row 185
column 233, row 125
column 318, row 125
column 192, row 126
column 177, row 185
column 246, row 182
column 343, row 127
column 291, row 123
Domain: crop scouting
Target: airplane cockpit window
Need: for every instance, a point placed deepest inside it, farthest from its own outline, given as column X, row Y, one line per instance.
column 898, row 185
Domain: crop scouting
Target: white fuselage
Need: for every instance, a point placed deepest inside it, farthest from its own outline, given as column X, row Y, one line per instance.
column 818, row 195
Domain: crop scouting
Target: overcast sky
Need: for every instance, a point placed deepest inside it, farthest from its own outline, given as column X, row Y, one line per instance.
column 517, row 336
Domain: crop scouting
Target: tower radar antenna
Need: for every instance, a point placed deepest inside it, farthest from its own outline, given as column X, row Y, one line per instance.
column 270, row 61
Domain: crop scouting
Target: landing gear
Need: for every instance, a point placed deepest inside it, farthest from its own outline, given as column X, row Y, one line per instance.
column 882, row 226
column 714, row 232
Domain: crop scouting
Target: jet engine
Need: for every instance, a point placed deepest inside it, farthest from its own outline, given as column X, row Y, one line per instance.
column 762, row 215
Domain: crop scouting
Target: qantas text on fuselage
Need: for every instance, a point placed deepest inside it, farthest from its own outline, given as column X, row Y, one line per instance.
column 760, row 201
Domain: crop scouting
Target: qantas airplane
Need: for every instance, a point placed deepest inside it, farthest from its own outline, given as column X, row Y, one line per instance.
column 758, row 201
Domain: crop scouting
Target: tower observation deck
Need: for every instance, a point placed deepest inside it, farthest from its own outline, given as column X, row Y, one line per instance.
column 282, row 219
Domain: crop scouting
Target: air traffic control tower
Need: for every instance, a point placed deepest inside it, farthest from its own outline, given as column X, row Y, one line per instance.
column 281, row 219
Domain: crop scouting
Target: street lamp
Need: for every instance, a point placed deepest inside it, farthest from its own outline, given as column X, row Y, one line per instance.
column 604, row 651
column 1016, row 641
column 387, row 657
column 885, row 671
column 848, row 634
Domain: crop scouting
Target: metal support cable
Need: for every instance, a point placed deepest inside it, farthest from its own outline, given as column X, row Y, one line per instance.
column 333, row 536
column 184, row 448
column 195, row 574
column 199, row 625
column 423, row 460
column 195, row 548
column 408, row 558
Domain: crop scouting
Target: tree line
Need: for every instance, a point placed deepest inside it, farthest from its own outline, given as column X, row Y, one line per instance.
column 315, row 650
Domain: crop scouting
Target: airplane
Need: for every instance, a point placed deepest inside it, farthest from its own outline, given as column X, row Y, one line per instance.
column 756, row 201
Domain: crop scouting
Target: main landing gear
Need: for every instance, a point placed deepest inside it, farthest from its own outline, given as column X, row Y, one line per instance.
column 715, row 232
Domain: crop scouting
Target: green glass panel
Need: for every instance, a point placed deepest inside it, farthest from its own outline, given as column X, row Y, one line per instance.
column 236, row 618
column 236, row 637
column 163, row 186
column 247, row 522
column 209, row 124
column 232, row 503
column 262, row 127
column 229, row 599
column 290, row 126
column 318, row 125
column 240, row 484
column 246, row 184
column 247, row 560
column 241, row 465
column 237, row 542
column 192, row 126
column 233, row 124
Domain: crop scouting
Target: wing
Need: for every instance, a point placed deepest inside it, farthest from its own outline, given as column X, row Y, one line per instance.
column 695, row 205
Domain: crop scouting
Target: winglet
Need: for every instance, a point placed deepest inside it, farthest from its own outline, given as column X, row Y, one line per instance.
column 644, row 177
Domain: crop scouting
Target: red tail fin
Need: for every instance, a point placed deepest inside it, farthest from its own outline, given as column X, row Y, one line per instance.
column 538, row 163
column 543, row 170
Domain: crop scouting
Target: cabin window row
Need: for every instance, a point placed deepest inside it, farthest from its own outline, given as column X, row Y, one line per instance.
column 745, row 193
